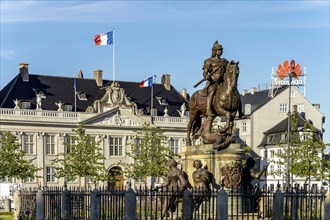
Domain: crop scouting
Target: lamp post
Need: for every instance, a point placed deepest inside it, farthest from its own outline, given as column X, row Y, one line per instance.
column 283, row 71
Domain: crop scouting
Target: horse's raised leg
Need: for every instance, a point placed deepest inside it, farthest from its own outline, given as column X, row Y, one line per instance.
column 190, row 124
column 228, row 119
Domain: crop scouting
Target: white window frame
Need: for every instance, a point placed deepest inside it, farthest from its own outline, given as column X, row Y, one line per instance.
column 300, row 107
column 50, row 144
column 26, row 105
column 50, row 174
column 116, row 146
column 67, row 108
column 244, row 127
column 174, row 145
column 284, row 108
column 28, row 143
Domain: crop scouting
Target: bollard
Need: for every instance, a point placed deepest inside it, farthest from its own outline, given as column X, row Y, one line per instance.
column 130, row 204
column 222, row 205
column 7, row 205
column 66, row 203
column 278, row 205
column 17, row 204
column 95, row 205
column 327, row 206
column 187, row 205
column 40, row 203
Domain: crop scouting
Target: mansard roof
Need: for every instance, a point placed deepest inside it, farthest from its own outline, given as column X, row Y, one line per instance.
column 57, row 88
column 259, row 98
column 282, row 127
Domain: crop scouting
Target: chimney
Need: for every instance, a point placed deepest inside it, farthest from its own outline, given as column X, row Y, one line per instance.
column 184, row 93
column 317, row 106
column 295, row 108
column 247, row 109
column 166, row 81
column 244, row 92
column 98, row 77
column 24, row 71
column 80, row 74
column 253, row 90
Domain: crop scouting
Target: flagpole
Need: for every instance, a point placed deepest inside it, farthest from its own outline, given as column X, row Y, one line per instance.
column 75, row 90
column 113, row 55
column 152, row 101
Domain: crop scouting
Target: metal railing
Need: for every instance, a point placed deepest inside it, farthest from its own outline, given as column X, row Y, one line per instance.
column 170, row 203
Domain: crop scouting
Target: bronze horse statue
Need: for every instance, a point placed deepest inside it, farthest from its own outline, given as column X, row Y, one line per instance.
column 226, row 102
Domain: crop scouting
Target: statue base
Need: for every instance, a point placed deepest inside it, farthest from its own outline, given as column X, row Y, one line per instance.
column 214, row 159
column 225, row 165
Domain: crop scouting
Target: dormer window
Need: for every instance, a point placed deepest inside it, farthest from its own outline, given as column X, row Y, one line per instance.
column 68, row 108
column 82, row 95
column 270, row 138
column 26, row 105
column 162, row 100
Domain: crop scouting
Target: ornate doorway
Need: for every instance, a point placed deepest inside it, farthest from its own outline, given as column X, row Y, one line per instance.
column 117, row 173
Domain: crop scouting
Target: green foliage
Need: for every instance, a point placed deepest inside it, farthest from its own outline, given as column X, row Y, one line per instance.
column 85, row 158
column 306, row 149
column 13, row 163
column 149, row 153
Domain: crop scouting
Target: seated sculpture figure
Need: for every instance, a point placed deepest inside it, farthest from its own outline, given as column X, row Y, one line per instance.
column 177, row 182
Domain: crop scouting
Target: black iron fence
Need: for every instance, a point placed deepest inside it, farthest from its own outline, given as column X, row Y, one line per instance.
column 154, row 203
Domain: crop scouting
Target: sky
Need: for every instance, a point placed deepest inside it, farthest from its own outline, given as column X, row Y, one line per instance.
column 173, row 37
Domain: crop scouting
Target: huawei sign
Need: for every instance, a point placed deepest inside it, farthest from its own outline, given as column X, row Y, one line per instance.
column 285, row 70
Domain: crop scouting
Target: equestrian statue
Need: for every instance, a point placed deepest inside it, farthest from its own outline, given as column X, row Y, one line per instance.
column 220, row 97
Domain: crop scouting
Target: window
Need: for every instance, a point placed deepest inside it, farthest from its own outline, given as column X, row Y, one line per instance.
column 5, row 179
column 30, row 180
column 272, row 153
column 26, row 105
column 272, row 188
column 283, row 107
column 68, row 108
column 28, row 143
column 116, row 146
column 244, row 127
column 279, row 152
column 174, row 145
column 283, row 137
column 50, row 174
column 271, row 168
column 300, row 107
column 68, row 142
column 269, row 138
column 50, row 144
column 293, row 94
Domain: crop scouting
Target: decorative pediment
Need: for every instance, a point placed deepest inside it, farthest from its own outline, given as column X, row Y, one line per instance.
column 116, row 117
column 113, row 97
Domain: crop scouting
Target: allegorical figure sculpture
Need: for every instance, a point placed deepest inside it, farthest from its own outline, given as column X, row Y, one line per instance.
column 220, row 97
column 203, row 179
column 248, row 175
column 176, row 180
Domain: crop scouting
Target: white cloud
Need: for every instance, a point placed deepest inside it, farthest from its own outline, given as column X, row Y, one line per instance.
column 238, row 13
column 7, row 54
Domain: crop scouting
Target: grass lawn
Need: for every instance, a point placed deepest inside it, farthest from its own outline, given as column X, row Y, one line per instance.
column 6, row 217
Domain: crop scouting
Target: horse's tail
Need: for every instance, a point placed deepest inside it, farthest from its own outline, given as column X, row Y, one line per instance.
column 197, row 125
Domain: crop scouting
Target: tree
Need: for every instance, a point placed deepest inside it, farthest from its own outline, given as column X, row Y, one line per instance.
column 306, row 150
column 13, row 164
column 150, row 154
column 85, row 158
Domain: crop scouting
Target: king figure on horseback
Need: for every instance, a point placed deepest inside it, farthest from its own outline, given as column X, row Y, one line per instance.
column 213, row 70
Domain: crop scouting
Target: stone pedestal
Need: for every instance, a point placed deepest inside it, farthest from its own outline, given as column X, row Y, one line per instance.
column 226, row 166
